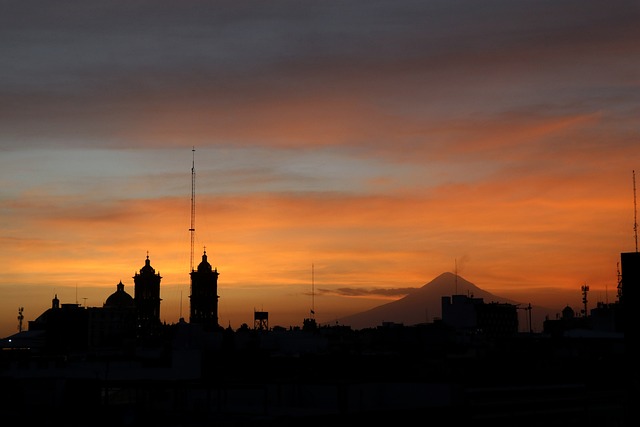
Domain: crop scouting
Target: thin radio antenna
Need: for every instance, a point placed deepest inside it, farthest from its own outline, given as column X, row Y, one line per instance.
column 313, row 312
column 456, row 276
column 635, row 211
column 193, row 204
column 20, row 318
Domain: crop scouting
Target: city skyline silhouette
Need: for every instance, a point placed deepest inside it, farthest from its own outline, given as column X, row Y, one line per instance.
column 325, row 374
column 381, row 143
column 187, row 186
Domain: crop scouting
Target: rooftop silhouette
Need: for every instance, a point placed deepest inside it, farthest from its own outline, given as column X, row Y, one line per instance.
column 470, row 363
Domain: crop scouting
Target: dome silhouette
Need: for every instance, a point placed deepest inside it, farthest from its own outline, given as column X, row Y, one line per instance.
column 120, row 299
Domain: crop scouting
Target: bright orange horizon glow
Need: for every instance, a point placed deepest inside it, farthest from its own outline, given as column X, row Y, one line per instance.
column 382, row 144
column 264, row 247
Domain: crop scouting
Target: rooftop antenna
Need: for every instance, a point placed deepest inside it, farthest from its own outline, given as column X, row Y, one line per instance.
column 585, row 290
column 193, row 204
column 635, row 211
column 456, row 275
column 313, row 312
column 20, row 318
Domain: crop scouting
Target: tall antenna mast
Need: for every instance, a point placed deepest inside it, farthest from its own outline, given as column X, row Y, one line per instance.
column 456, row 276
column 635, row 211
column 585, row 289
column 193, row 204
column 313, row 312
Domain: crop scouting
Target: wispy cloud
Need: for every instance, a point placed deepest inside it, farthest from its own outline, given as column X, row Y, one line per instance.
column 381, row 141
column 394, row 293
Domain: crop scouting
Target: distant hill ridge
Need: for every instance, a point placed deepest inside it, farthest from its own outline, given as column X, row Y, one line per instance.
column 425, row 304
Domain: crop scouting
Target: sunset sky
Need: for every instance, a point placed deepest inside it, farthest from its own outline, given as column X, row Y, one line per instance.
column 356, row 149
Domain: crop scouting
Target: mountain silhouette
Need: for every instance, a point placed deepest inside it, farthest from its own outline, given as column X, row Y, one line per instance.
column 425, row 303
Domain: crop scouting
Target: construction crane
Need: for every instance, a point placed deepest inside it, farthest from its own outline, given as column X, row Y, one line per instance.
column 528, row 308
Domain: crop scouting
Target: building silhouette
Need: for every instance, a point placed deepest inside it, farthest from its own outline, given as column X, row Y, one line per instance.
column 261, row 320
column 470, row 366
column 204, row 295
column 629, row 284
column 113, row 325
column 473, row 316
column 147, row 300
column 63, row 328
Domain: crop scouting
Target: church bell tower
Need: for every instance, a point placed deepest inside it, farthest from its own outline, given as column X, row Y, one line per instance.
column 147, row 300
column 204, row 295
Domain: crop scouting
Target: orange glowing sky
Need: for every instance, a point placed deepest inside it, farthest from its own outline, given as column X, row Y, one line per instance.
column 357, row 148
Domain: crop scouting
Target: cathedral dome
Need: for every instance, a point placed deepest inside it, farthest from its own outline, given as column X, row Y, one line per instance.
column 120, row 299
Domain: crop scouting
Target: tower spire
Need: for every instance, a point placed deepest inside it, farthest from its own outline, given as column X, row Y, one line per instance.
column 192, row 229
